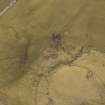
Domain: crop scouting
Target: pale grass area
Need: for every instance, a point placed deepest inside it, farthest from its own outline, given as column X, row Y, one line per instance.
column 70, row 84
column 81, row 82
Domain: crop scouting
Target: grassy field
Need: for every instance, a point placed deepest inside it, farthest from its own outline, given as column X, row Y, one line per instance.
column 26, row 28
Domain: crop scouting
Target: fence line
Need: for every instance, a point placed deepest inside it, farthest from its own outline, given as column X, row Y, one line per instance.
column 11, row 4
